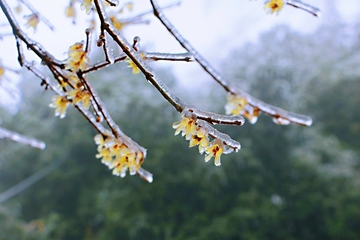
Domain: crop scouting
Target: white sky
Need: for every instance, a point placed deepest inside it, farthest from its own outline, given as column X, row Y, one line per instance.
column 213, row 27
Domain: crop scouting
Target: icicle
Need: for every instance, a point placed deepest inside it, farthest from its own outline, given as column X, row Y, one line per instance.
column 146, row 175
column 218, row 135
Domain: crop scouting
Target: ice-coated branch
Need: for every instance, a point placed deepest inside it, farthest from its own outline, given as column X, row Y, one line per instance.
column 113, row 3
column 16, row 137
column 303, row 6
column 150, row 56
column 154, row 56
column 100, row 106
column 45, row 82
column 275, row 112
column 280, row 116
column 146, row 175
column 214, row 118
column 34, row 46
column 127, row 48
column 234, row 145
column 150, row 75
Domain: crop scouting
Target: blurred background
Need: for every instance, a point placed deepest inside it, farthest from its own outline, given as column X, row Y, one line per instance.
column 287, row 182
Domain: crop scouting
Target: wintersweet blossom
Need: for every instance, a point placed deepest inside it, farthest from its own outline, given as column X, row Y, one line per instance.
column 32, row 20
column 215, row 149
column 70, row 11
column 186, row 126
column 77, row 58
column 80, row 95
column 200, row 138
column 2, row 71
column 86, row 5
column 60, row 103
column 118, row 156
column 116, row 22
column 237, row 105
column 132, row 65
column 274, row 5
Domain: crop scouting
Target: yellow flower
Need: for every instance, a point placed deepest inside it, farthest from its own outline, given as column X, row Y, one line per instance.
column 215, row 150
column 77, row 58
column 2, row 71
column 86, row 5
column 105, row 155
column 274, row 5
column 80, row 95
column 70, row 11
column 18, row 9
column 235, row 105
column 60, row 103
column 117, row 156
column 132, row 65
column 201, row 139
column 99, row 140
column 186, row 126
column 32, row 20
column 126, row 161
column 129, row 6
column 252, row 113
column 116, row 22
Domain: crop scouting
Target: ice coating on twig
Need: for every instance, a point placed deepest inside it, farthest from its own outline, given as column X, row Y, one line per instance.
column 306, row 7
column 108, row 53
column 216, row 118
column 137, row 59
column 275, row 112
column 187, row 57
column 146, row 175
column 234, row 145
column 16, row 137
column 113, row 3
column 185, row 44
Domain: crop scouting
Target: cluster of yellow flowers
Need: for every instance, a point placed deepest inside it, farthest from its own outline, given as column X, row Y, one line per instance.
column 118, row 156
column 78, row 59
column 237, row 105
column 198, row 136
column 60, row 103
column 78, row 94
column 274, row 5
